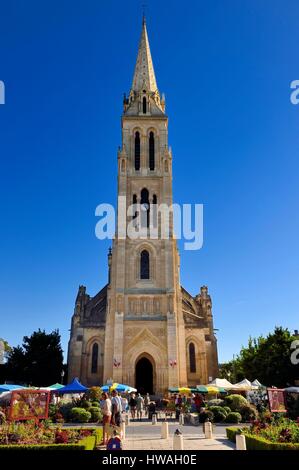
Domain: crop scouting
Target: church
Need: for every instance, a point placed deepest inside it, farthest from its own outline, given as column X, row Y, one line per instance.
column 144, row 328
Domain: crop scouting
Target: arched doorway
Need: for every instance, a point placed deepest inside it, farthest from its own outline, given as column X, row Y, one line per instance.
column 144, row 376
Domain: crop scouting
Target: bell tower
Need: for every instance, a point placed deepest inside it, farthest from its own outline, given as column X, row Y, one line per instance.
column 144, row 295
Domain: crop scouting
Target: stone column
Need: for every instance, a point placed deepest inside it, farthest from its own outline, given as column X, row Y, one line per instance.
column 118, row 347
column 173, row 377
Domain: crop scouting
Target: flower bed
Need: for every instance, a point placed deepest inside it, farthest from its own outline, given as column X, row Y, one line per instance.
column 43, row 437
column 279, row 434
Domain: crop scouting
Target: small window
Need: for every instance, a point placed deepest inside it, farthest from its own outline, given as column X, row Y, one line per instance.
column 151, row 151
column 94, row 358
column 137, row 151
column 192, row 360
column 144, row 105
column 144, row 265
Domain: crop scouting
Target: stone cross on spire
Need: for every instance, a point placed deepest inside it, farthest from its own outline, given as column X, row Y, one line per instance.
column 144, row 75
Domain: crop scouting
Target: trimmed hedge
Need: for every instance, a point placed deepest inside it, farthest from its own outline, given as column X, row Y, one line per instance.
column 231, row 433
column 80, row 415
column 248, row 413
column 227, row 409
column 204, row 415
column 235, row 402
column 96, row 414
column 219, row 413
column 233, row 417
column 87, row 443
column 260, row 443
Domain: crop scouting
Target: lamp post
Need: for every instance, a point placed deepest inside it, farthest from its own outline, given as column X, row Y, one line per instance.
column 62, row 375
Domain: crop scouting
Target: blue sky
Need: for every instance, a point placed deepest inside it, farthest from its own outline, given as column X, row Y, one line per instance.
column 226, row 69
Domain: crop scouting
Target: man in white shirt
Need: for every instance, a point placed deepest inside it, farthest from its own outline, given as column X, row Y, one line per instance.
column 116, row 408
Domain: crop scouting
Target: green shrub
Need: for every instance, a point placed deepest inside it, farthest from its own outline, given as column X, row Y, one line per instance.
column 248, row 413
column 215, row 402
column 85, row 404
column 219, row 413
column 260, row 443
column 220, row 417
column 204, row 415
column 227, row 409
column 235, row 402
column 95, row 404
column 80, row 415
column 233, row 417
column 96, row 414
column 231, row 433
column 53, row 409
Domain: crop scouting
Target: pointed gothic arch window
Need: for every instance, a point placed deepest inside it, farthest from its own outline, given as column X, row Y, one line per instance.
column 144, row 265
column 137, row 151
column 192, row 361
column 144, row 105
column 94, row 358
column 151, row 151
column 145, row 208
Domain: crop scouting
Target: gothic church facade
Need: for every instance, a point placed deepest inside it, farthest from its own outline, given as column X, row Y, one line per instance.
column 143, row 328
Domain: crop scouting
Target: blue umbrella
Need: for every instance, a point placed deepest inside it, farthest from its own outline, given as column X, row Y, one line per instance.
column 117, row 387
column 74, row 387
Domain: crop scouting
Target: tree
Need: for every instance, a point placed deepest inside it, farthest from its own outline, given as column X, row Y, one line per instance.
column 266, row 359
column 39, row 361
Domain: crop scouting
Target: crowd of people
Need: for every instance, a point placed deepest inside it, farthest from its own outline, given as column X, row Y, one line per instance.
column 114, row 406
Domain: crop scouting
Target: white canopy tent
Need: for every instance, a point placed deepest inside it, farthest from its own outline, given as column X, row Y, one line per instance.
column 223, row 383
column 246, row 385
column 257, row 383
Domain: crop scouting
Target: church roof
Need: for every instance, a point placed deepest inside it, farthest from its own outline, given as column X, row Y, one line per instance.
column 144, row 75
column 95, row 309
column 192, row 310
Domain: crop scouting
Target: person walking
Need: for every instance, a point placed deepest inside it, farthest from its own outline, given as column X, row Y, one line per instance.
column 139, row 406
column 124, row 404
column 147, row 400
column 151, row 409
column 132, row 405
column 198, row 402
column 116, row 408
column 107, row 413
column 178, row 406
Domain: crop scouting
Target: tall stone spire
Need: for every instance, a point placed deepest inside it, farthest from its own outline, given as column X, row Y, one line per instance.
column 144, row 75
